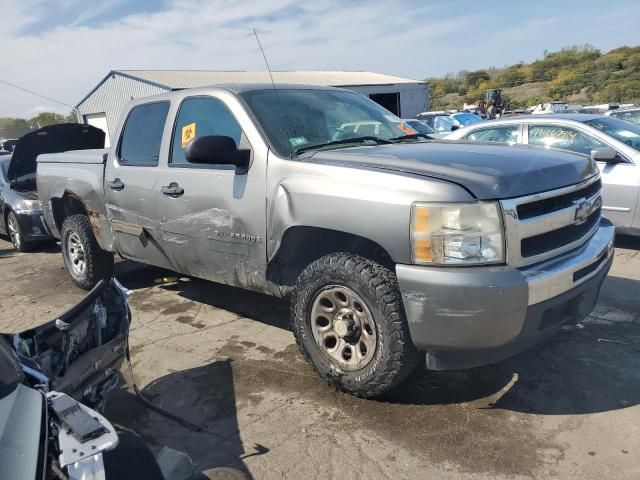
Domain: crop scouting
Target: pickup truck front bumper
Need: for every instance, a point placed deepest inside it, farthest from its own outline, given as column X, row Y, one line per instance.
column 469, row 316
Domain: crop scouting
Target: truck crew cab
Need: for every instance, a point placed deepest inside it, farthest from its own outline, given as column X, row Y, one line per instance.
column 392, row 249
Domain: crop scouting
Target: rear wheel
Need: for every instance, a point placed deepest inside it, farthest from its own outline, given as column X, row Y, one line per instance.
column 86, row 262
column 15, row 233
column 349, row 322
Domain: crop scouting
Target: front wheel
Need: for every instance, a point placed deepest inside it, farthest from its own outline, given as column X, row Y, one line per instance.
column 15, row 233
column 348, row 320
column 86, row 262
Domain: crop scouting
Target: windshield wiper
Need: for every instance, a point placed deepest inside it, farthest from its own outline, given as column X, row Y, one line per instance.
column 411, row 137
column 378, row 141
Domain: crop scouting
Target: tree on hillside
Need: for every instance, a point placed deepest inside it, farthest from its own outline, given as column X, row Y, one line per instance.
column 580, row 74
column 9, row 122
column 46, row 118
column 41, row 120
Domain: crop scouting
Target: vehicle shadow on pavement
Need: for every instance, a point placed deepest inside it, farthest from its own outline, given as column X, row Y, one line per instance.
column 245, row 303
column 585, row 370
column 6, row 247
column 571, row 373
column 629, row 242
column 204, row 396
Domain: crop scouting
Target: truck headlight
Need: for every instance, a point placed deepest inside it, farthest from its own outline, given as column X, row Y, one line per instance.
column 457, row 233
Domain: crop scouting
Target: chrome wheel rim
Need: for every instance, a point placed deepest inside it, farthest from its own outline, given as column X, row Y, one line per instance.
column 343, row 328
column 14, row 231
column 75, row 254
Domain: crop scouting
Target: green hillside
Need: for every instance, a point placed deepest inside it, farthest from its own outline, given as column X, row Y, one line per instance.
column 578, row 74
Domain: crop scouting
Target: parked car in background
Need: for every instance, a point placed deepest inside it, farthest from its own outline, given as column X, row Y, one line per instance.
column 21, row 215
column 422, row 127
column 439, row 121
column 549, row 108
column 444, row 122
column 8, row 144
column 393, row 251
column 20, row 211
column 464, row 119
column 629, row 114
column 616, row 141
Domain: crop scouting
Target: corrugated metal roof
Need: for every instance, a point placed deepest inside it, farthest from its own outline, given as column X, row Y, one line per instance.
column 201, row 78
column 112, row 94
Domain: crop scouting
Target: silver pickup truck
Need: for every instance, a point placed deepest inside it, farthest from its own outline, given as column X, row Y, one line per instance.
column 391, row 248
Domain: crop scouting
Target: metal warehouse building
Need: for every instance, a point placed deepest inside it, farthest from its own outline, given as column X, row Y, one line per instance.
column 103, row 105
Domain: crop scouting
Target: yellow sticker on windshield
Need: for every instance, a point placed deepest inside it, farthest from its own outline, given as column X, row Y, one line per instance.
column 188, row 134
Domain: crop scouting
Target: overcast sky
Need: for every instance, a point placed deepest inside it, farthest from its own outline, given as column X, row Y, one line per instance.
column 62, row 48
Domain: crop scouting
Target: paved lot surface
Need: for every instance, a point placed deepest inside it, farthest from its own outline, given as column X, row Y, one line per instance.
column 224, row 359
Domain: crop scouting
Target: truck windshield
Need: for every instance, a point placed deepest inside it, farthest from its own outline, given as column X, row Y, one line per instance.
column 301, row 119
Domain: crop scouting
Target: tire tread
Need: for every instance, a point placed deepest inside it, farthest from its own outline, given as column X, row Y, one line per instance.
column 402, row 355
column 99, row 261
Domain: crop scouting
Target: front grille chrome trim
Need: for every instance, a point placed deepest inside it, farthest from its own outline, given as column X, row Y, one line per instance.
column 554, row 277
column 550, row 221
column 516, row 230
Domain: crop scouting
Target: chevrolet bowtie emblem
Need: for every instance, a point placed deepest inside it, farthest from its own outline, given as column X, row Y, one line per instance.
column 584, row 208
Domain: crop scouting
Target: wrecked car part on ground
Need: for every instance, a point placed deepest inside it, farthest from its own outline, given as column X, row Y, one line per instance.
column 53, row 381
column 80, row 352
column 393, row 250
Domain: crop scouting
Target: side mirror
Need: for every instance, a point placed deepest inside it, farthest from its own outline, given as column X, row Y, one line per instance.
column 605, row 154
column 455, row 127
column 217, row 150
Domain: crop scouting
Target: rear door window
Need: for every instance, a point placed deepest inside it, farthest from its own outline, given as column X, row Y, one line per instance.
column 564, row 138
column 504, row 134
column 142, row 135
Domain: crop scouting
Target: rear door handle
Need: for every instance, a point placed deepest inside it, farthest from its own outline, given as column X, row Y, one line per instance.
column 116, row 184
column 173, row 190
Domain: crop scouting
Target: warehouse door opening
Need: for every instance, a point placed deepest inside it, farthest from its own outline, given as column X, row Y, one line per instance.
column 390, row 101
column 99, row 120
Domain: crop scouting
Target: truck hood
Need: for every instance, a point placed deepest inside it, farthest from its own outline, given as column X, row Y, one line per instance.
column 488, row 171
column 50, row 139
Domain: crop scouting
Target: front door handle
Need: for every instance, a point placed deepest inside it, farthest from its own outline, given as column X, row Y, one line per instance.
column 116, row 184
column 173, row 190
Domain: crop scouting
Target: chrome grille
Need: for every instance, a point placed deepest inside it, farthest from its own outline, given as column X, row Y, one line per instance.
column 543, row 225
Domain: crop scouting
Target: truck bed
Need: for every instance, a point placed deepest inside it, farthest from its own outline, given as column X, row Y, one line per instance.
column 97, row 156
column 75, row 176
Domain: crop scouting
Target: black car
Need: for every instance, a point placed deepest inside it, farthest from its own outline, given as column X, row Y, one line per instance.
column 20, row 210
column 8, row 144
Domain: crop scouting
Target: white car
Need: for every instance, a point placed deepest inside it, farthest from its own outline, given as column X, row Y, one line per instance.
column 617, row 150
column 628, row 114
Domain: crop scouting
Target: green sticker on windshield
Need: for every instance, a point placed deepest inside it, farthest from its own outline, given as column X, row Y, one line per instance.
column 297, row 141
